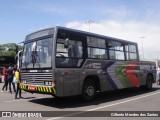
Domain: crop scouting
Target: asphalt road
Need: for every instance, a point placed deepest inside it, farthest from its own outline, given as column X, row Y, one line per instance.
column 107, row 106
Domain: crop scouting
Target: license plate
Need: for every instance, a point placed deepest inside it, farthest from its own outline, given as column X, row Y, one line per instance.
column 32, row 88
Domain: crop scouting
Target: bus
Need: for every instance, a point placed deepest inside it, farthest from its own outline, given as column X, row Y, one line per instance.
column 65, row 62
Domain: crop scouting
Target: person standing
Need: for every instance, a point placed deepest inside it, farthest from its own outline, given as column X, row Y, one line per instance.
column 158, row 75
column 5, row 78
column 10, row 73
column 18, row 77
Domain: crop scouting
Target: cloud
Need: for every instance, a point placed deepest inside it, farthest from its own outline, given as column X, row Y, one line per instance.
column 130, row 30
column 115, row 13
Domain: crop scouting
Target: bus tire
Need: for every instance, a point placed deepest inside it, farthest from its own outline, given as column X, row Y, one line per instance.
column 158, row 82
column 89, row 90
column 149, row 82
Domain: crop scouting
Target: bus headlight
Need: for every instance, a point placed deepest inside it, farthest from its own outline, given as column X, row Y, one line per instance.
column 24, row 81
column 48, row 83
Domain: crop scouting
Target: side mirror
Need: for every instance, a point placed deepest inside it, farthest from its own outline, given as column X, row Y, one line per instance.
column 66, row 43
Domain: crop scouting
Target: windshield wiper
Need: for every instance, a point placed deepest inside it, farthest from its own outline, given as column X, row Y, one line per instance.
column 34, row 59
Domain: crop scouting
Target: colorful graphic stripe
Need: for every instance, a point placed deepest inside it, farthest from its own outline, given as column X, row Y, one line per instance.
column 131, row 75
column 108, row 77
column 121, row 74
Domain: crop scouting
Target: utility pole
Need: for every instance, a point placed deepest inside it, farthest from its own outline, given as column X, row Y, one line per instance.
column 142, row 47
column 89, row 23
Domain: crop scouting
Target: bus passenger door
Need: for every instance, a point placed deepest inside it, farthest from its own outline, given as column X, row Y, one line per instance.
column 71, row 82
column 69, row 58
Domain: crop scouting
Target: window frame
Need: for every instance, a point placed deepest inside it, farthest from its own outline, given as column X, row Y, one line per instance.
column 107, row 49
column 131, row 52
column 83, row 36
column 71, row 35
column 37, row 40
column 96, row 47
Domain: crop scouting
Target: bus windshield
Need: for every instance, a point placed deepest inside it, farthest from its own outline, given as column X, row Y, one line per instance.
column 37, row 54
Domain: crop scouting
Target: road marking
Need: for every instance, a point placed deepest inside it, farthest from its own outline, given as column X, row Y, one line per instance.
column 23, row 99
column 55, row 118
column 124, row 101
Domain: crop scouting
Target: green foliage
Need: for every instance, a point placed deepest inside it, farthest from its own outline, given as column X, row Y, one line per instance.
column 20, row 47
column 9, row 49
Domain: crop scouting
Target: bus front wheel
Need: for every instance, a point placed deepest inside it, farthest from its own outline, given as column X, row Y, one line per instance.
column 89, row 90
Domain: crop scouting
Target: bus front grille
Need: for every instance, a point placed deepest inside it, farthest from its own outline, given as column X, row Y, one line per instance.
column 36, row 78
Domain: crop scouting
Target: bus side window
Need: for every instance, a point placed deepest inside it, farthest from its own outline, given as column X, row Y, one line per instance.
column 116, row 50
column 131, row 52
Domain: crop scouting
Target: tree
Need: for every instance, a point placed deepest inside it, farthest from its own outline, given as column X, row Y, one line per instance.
column 9, row 49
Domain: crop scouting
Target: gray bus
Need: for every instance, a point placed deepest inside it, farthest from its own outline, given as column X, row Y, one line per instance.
column 67, row 62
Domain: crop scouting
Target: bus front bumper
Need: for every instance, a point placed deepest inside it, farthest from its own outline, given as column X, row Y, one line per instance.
column 38, row 89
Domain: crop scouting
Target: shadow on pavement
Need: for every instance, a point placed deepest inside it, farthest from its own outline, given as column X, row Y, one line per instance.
column 72, row 102
column 28, row 97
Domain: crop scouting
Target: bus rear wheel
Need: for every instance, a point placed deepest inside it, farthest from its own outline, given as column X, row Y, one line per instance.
column 89, row 90
column 149, row 84
column 158, row 82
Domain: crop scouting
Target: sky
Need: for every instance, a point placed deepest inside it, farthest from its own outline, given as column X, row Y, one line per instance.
column 133, row 20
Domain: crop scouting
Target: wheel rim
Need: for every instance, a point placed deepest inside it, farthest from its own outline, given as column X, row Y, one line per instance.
column 90, row 90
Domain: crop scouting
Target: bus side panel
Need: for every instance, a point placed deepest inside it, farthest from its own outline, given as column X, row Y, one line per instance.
column 71, row 82
column 94, row 68
column 125, row 74
column 146, row 69
column 112, row 75
column 118, row 74
column 104, row 84
column 58, row 77
column 67, row 82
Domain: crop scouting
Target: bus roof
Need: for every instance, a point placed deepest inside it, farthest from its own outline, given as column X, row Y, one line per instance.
column 84, row 32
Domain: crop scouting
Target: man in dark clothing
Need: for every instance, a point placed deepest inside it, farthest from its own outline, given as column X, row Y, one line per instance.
column 10, row 73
